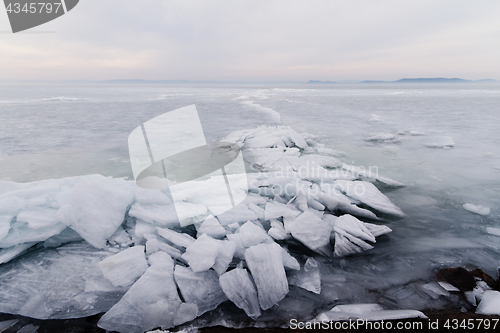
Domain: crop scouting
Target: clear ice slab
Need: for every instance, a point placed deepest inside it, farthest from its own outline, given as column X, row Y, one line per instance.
column 57, row 284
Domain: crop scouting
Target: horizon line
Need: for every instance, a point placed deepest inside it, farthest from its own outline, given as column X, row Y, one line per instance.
column 312, row 81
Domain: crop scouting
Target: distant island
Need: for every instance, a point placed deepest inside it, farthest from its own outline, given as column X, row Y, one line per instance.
column 412, row 80
column 320, row 82
column 139, row 81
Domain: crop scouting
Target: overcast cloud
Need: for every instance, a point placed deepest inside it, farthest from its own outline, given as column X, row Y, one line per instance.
column 254, row 40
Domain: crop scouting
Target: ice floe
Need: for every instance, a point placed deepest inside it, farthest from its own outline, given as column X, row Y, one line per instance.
column 440, row 142
column 477, row 209
column 381, row 137
column 493, row 231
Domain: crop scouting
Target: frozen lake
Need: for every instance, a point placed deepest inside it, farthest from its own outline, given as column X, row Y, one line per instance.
column 441, row 141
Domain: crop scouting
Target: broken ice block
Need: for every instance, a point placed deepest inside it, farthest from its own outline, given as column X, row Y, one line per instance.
column 239, row 213
column 266, row 265
column 354, row 227
column 186, row 312
column 289, row 261
column 212, row 227
column 21, row 233
column 201, row 288
column 344, row 247
column 252, row 234
column 123, row 268
column 38, row 217
column 240, row 290
column 239, row 248
column 277, row 233
column 376, row 229
column 224, row 257
column 182, row 240
column 346, row 244
column 151, row 302
column 448, row 286
column 368, row 194
column 161, row 214
column 142, row 228
column 151, row 196
column 152, row 246
column 310, row 230
column 5, row 225
column 172, row 251
column 201, row 254
column 434, row 290
column 257, row 210
column 276, row 210
column 96, row 209
column 490, row 304
column 301, row 202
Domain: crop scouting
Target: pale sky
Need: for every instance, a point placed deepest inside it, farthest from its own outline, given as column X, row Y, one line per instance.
column 258, row 40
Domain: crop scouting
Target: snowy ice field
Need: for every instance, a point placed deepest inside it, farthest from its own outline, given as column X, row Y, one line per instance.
column 440, row 142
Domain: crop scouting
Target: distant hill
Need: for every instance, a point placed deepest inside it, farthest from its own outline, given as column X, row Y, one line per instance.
column 373, row 81
column 320, row 82
column 433, row 80
column 145, row 81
